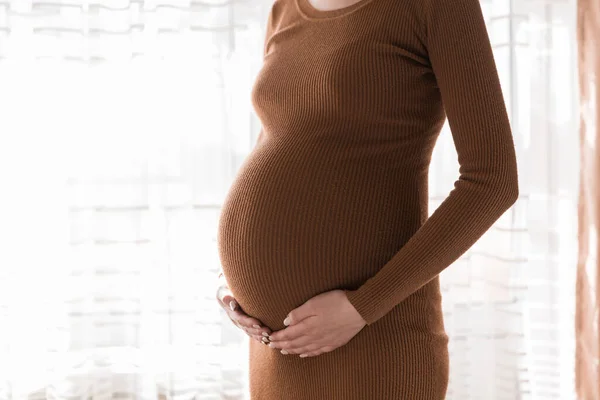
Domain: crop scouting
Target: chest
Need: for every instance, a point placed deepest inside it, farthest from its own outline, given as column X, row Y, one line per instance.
column 324, row 71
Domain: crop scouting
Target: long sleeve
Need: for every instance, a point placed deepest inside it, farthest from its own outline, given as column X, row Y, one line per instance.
column 461, row 58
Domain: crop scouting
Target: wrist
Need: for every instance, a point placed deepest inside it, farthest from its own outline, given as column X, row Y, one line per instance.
column 353, row 306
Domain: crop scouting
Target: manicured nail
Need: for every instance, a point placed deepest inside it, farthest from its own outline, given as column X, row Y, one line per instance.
column 283, row 351
column 271, row 338
column 232, row 305
column 271, row 345
column 265, row 334
column 265, row 340
column 256, row 326
column 303, row 355
column 286, row 321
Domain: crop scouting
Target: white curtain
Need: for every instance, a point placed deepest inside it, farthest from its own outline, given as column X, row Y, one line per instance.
column 509, row 302
column 122, row 124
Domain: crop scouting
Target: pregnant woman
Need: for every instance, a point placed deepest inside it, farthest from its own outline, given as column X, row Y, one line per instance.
column 325, row 238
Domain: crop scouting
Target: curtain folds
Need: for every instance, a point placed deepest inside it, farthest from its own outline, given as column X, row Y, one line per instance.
column 96, row 31
column 509, row 301
column 588, row 266
column 121, row 125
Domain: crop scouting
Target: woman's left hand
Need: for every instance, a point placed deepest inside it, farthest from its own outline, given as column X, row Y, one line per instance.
column 320, row 325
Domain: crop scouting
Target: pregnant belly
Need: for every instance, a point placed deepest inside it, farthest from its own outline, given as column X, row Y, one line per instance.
column 294, row 225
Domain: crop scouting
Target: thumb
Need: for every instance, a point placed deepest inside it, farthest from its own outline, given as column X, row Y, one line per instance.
column 298, row 314
column 230, row 302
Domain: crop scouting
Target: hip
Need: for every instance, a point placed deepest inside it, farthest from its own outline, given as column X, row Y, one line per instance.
column 383, row 361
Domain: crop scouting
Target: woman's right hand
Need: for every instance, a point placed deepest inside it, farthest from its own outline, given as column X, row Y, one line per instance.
column 253, row 327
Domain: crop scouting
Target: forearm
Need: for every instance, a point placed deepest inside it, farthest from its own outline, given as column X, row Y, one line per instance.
column 466, row 214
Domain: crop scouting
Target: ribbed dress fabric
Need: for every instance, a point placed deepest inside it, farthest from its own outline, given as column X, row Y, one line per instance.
column 334, row 193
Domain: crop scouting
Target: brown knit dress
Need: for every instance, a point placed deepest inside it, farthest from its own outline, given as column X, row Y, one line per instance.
column 334, row 194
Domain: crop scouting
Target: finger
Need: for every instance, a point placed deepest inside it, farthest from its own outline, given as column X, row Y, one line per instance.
column 309, row 348
column 303, row 347
column 243, row 327
column 310, row 354
column 259, row 339
column 248, row 321
column 231, row 303
column 318, row 352
column 291, row 332
column 227, row 301
column 292, row 345
column 236, row 323
column 261, row 332
column 224, row 295
column 298, row 314
column 248, row 324
column 263, row 340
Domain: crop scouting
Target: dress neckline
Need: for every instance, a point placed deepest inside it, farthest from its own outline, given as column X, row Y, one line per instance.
column 309, row 11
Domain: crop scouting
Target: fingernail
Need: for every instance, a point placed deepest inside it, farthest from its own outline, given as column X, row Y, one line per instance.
column 303, row 355
column 271, row 345
column 284, row 352
column 256, row 326
column 232, row 305
column 265, row 334
column 286, row 321
column 271, row 338
column 265, row 340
